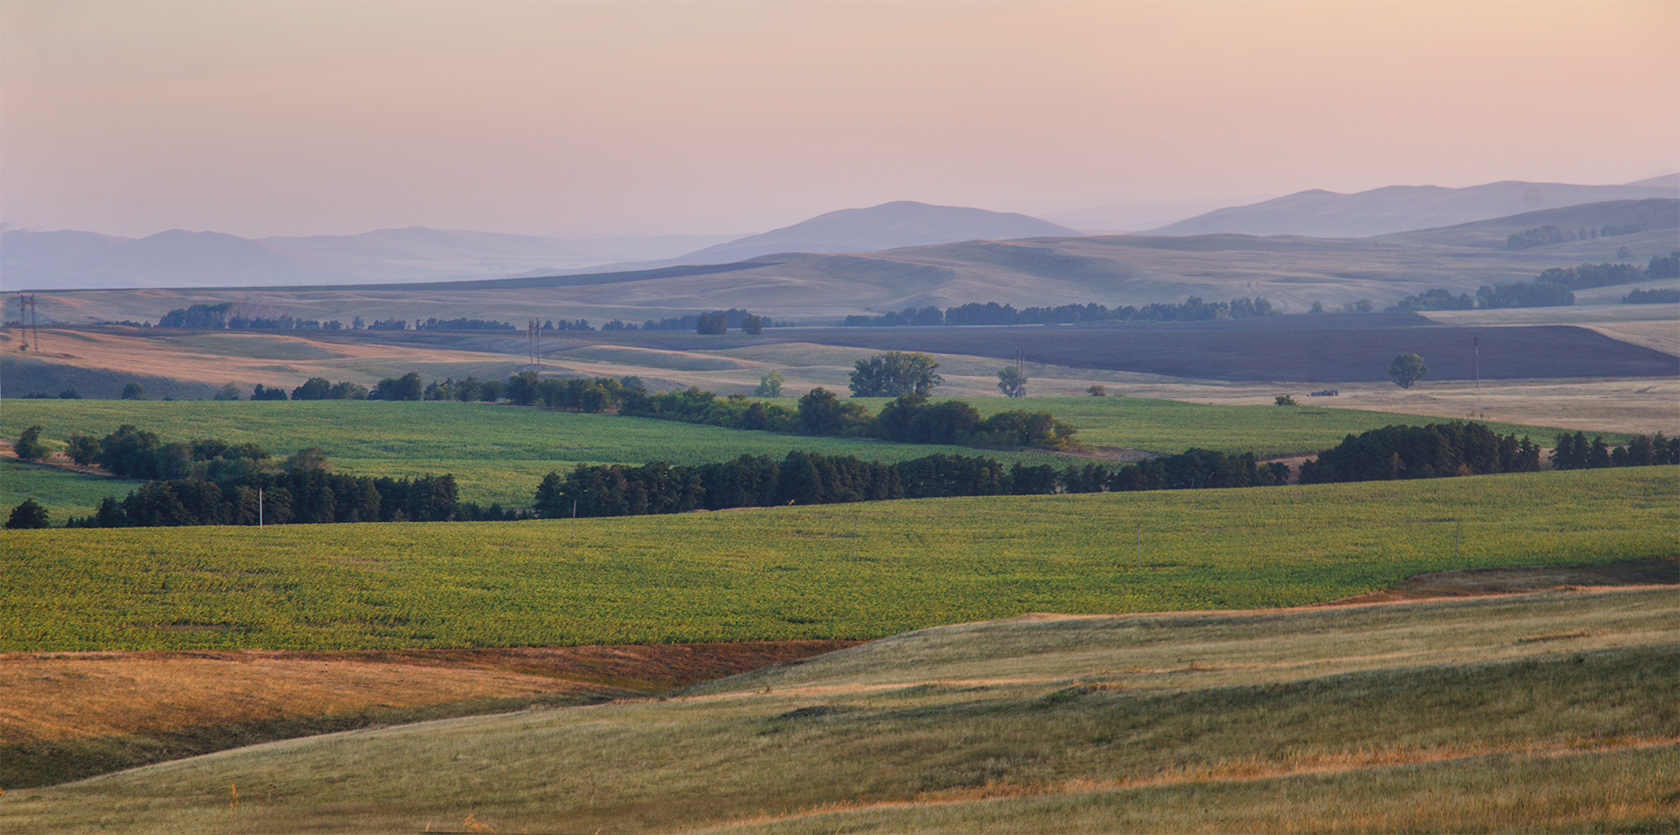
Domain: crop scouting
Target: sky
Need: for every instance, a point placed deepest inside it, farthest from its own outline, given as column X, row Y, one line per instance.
column 640, row 118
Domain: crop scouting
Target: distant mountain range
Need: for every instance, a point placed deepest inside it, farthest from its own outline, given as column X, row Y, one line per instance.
column 1326, row 214
column 69, row 259
column 61, row 260
column 1292, row 271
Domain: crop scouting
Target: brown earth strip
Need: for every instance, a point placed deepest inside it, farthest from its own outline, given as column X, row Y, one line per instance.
column 1478, row 582
column 65, row 716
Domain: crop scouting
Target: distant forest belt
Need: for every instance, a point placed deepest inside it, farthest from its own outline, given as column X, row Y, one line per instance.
column 1333, row 348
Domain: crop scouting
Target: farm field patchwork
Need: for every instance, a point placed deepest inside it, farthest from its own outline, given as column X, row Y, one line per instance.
column 1543, row 712
column 499, row 453
column 63, row 493
column 798, row 572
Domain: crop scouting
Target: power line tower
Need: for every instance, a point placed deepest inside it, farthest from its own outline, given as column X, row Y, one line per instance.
column 532, row 347
column 28, row 323
column 1021, row 362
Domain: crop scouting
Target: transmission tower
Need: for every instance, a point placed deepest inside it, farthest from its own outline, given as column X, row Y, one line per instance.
column 28, row 323
column 532, row 347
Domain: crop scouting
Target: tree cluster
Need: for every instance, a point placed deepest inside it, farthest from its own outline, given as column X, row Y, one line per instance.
column 1652, row 296
column 465, row 324
column 1194, row 309
column 1575, row 452
column 469, row 390
column 320, row 388
column 213, row 482
column 1432, row 451
column 224, row 316
column 1549, row 234
column 735, row 319
column 895, row 373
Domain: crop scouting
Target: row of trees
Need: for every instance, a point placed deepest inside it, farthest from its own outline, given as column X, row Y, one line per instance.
column 406, row 387
column 991, row 313
column 1432, row 451
column 1666, row 296
column 214, row 482
column 714, row 322
column 807, row 478
column 1575, row 452
column 1549, row 234
column 910, row 418
column 1551, row 288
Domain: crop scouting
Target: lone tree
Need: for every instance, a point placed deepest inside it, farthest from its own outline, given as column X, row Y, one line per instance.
column 1012, row 382
column 895, row 374
column 770, row 385
column 29, row 446
column 27, row 515
column 134, row 391
column 1407, row 369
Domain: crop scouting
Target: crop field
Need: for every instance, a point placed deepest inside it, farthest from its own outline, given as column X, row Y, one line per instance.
column 62, row 493
column 1172, row 426
column 834, row 571
column 1550, row 712
column 497, row 453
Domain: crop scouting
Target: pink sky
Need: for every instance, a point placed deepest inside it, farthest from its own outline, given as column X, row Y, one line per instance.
column 699, row 117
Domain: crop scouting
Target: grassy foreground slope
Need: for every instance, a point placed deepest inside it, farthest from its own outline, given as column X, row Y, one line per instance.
column 797, row 572
column 1550, row 712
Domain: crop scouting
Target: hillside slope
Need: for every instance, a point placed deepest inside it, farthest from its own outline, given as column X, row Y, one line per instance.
column 887, row 226
column 1477, row 714
column 1327, row 214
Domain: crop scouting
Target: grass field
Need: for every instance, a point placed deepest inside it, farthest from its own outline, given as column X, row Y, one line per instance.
column 62, row 493
column 499, row 453
column 791, row 573
column 1549, row 712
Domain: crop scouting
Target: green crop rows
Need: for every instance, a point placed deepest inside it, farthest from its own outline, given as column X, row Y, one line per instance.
column 797, row 572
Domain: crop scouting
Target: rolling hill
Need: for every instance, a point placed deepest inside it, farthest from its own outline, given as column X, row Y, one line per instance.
column 887, row 226
column 1291, row 271
column 1326, row 214
column 177, row 258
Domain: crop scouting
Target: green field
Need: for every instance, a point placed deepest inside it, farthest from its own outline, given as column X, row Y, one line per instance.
column 1536, row 713
column 1172, row 426
column 792, row 572
column 63, row 493
column 499, row 453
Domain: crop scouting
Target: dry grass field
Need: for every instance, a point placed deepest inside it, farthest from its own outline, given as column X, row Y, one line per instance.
column 71, row 715
column 1534, row 712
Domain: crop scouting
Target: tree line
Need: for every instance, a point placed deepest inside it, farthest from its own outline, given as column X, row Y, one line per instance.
column 1575, row 452
column 1552, row 288
column 807, row 478
column 910, row 418
column 1457, row 448
column 214, row 482
column 1550, row 234
column 1193, row 309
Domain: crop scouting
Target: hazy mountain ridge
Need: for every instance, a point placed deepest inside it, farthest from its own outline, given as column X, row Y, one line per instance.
column 177, row 258
column 1291, row 271
column 887, row 226
column 1392, row 209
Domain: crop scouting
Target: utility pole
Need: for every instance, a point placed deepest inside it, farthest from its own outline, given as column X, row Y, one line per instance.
column 574, row 521
column 1140, row 545
column 1476, row 342
column 259, row 507
column 1458, row 533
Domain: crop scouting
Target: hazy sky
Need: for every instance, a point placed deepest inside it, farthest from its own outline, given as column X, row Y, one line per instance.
column 706, row 117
